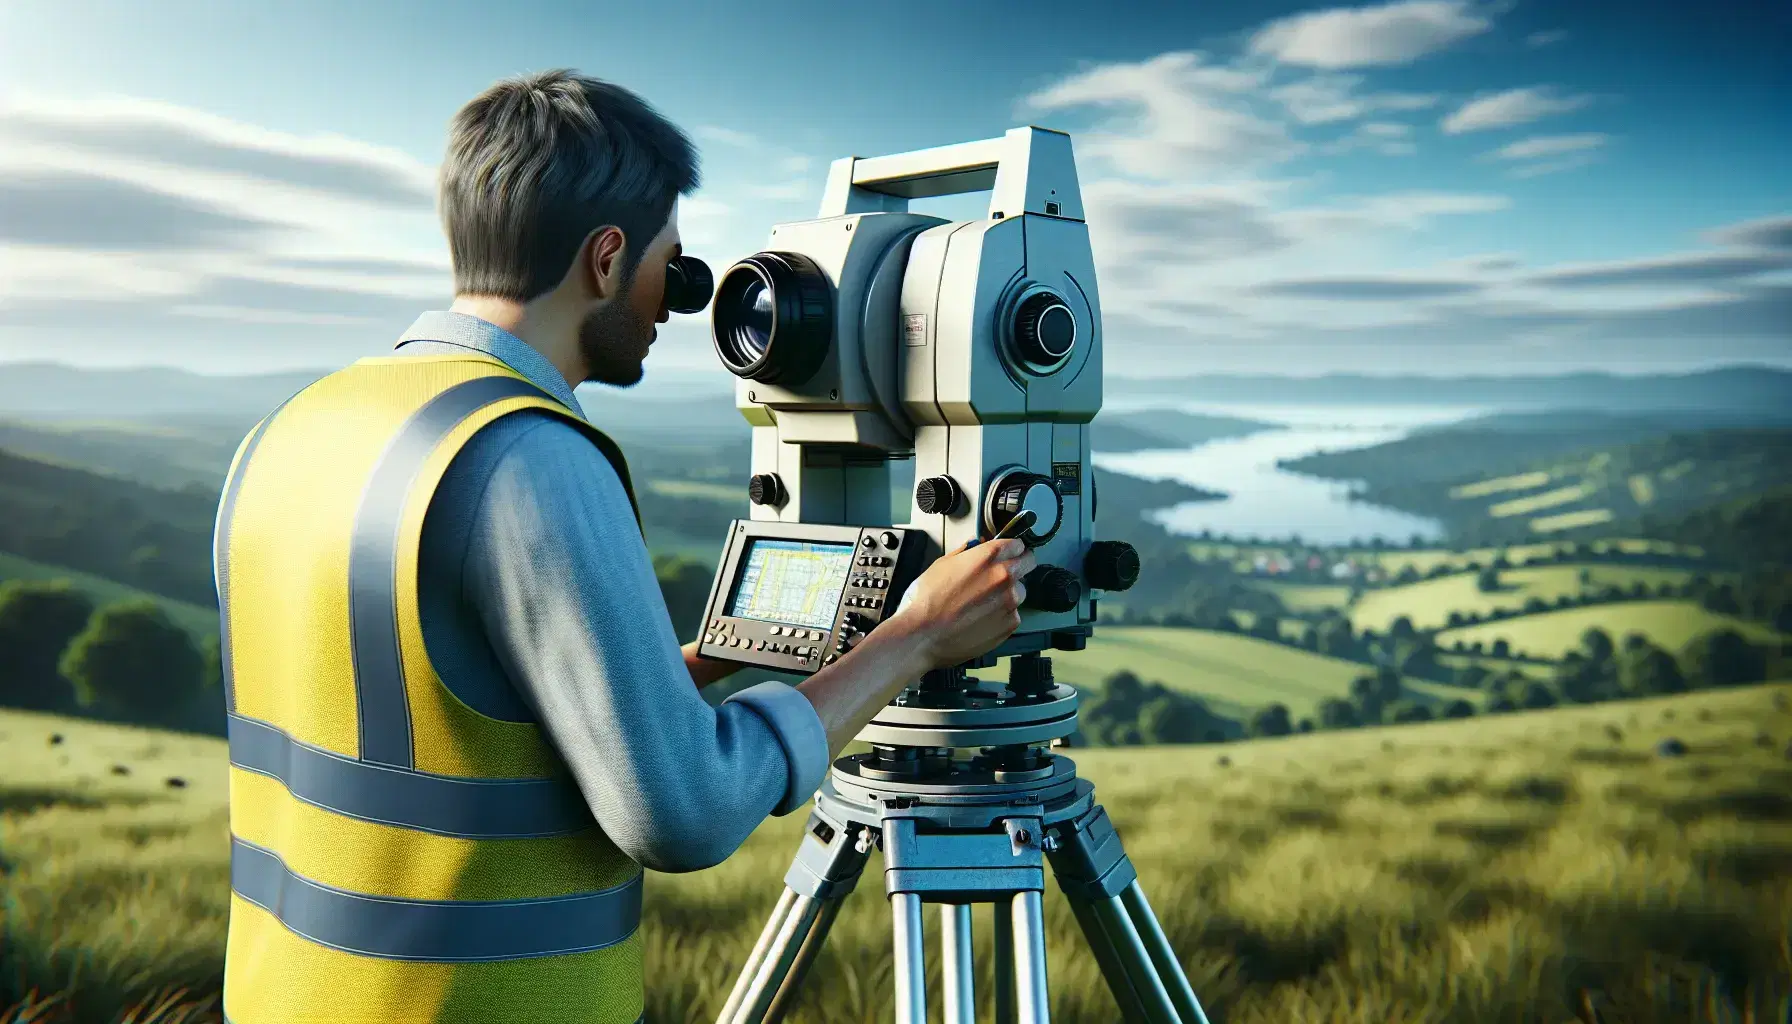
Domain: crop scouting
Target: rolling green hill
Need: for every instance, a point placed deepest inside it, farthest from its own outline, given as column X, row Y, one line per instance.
column 1235, row 674
column 1428, row 603
column 1668, row 624
column 196, row 620
column 1491, row 485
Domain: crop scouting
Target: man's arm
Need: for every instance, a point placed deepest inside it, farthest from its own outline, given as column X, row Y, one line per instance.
column 562, row 583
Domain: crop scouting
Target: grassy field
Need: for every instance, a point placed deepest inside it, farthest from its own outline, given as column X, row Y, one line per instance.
column 194, row 619
column 1235, row 674
column 1669, row 624
column 1306, row 597
column 1516, row 869
column 1428, row 603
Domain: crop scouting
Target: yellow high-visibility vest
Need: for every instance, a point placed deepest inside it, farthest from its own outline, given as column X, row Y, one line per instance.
column 396, row 856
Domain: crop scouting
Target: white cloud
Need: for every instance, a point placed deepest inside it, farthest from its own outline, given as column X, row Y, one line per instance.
column 1550, row 145
column 1352, row 37
column 1323, row 99
column 1178, row 114
column 1549, row 37
column 1385, row 137
column 1511, row 107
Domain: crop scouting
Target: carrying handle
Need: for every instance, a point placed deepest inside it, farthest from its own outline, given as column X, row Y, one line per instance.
column 1027, row 170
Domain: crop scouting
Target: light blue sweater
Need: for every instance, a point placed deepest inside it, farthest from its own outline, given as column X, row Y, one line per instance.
column 539, row 603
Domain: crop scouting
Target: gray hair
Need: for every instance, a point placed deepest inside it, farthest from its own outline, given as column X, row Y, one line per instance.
column 537, row 163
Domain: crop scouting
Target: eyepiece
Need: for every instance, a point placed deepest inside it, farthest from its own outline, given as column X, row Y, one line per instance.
column 689, row 285
column 773, row 318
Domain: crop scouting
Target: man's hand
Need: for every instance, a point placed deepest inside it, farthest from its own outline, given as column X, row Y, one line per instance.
column 968, row 601
column 965, row 604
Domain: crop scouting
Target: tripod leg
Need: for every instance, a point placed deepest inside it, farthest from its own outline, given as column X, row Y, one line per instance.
column 955, row 937
column 1004, row 963
column 750, row 969
column 780, row 955
column 805, row 955
column 1113, row 969
column 911, row 964
column 1135, row 961
column 1031, row 997
column 1158, row 947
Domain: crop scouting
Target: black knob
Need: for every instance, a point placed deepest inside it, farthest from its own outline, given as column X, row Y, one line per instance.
column 890, row 539
column 1044, row 329
column 938, row 496
column 1017, row 490
column 766, row 489
column 1052, row 588
column 1111, row 565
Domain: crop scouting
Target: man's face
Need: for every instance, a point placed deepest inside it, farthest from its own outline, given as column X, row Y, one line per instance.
column 615, row 337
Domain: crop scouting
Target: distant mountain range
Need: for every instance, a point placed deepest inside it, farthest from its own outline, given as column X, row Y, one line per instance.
column 686, row 399
column 1743, row 389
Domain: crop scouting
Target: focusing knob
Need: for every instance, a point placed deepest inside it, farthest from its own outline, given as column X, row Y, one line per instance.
column 1111, row 565
column 1018, row 489
column 938, row 496
column 766, row 489
column 1044, row 330
column 1052, row 588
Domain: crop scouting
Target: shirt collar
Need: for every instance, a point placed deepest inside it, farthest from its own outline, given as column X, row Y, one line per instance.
column 471, row 332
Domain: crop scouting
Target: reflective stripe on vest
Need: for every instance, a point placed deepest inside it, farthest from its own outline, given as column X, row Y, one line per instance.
column 462, row 931
column 383, row 785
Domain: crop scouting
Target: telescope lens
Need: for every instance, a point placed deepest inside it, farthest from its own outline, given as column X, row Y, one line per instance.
column 756, row 320
column 773, row 318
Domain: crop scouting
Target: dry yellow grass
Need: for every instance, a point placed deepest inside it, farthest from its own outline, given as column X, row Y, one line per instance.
column 1510, row 869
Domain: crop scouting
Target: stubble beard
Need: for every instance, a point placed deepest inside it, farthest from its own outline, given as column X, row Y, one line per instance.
column 613, row 341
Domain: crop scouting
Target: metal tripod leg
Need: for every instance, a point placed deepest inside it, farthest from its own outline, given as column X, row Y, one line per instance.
column 826, row 869
column 959, row 975
column 1158, row 946
column 1004, row 963
column 1136, row 960
column 1032, row 1000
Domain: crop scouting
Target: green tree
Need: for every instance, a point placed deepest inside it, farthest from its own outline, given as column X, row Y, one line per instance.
column 1537, row 695
column 1649, row 671
column 1337, row 713
column 37, row 621
column 1407, row 711
column 1723, row 657
column 1597, row 644
column 1459, row 708
column 1473, row 677
column 1501, row 648
column 1336, row 638
column 133, row 662
column 1271, row 720
column 1488, row 581
column 1173, row 718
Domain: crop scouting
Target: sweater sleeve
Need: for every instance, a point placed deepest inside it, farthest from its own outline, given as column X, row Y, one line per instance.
column 562, row 582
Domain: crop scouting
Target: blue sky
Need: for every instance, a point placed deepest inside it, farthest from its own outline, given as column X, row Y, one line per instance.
column 1435, row 186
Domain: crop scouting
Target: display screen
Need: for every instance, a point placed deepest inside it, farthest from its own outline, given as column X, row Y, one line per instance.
column 793, row 581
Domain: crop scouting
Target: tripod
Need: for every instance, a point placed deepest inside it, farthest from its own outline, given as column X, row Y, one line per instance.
column 962, row 832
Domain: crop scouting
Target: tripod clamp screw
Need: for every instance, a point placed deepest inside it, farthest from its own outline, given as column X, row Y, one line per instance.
column 865, row 842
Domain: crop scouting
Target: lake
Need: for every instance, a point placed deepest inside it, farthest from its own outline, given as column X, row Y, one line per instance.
column 1271, row 503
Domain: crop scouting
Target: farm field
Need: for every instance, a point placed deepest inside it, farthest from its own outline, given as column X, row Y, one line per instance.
column 1669, row 624
column 1428, row 603
column 1235, row 674
column 198, row 621
column 1518, row 868
column 1305, row 597
column 1423, row 560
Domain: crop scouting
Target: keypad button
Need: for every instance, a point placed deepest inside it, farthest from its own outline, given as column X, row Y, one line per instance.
column 709, row 638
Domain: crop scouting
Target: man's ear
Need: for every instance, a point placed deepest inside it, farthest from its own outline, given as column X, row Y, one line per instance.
column 601, row 260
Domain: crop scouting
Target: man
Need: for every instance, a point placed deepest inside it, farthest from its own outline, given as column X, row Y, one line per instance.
column 460, row 722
